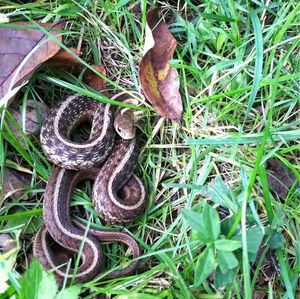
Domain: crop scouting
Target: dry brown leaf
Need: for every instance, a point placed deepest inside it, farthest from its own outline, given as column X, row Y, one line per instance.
column 15, row 183
column 158, row 79
column 31, row 118
column 93, row 80
column 280, row 178
column 64, row 59
column 22, row 51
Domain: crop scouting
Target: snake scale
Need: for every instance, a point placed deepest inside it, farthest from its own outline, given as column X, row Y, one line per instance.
column 118, row 195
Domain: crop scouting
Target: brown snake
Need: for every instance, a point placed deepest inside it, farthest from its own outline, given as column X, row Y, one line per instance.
column 118, row 195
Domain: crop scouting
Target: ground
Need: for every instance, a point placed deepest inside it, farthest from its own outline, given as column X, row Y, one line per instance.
column 238, row 65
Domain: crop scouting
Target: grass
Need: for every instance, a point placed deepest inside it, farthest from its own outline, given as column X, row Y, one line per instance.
column 239, row 68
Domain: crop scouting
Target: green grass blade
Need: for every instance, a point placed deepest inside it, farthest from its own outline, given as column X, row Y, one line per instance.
column 258, row 60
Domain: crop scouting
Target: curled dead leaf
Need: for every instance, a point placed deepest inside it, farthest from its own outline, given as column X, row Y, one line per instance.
column 158, row 80
column 22, row 51
column 65, row 59
column 93, row 80
column 15, row 183
column 32, row 117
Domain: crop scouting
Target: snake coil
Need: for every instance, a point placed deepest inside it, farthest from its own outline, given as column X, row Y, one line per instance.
column 118, row 195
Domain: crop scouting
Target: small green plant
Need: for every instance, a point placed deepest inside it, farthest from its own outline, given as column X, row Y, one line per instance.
column 218, row 252
column 37, row 283
column 226, row 246
column 221, row 247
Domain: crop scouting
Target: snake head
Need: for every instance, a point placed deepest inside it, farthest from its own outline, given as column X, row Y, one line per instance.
column 124, row 124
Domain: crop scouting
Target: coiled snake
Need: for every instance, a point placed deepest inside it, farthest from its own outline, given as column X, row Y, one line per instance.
column 118, row 194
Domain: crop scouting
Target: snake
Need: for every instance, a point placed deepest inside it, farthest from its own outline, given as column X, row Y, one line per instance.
column 118, row 195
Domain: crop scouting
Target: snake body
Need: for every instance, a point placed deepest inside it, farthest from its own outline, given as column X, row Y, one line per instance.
column 110, row 182
column 56, row 130
column 118, row 195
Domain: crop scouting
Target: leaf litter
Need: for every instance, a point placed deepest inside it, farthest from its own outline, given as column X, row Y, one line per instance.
column 19, row 63
column 158, row 79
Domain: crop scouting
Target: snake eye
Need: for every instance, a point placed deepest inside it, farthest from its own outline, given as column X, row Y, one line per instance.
column 119, row 131
column 126, row 133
